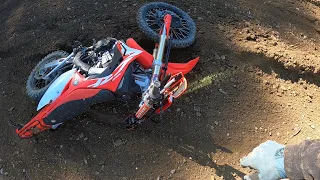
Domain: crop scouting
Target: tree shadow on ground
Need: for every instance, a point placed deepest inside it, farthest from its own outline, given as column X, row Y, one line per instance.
column 89, row 145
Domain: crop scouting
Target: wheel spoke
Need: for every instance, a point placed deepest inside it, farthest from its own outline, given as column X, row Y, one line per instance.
column 152, row 12
column 150, row 16
column 150, row 20
column 185, row 31
column 183, row 35
column 150, row 24
column 179, row 35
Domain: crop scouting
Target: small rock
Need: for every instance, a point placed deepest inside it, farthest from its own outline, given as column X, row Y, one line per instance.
column 198, row 114
column 96, row 3
column 309, row 99
column 313, row 126
column 251, row 37
column 85, row 138
column 278, row 134
column 248, row 24
column 159, row 177
column 173, row 171
column 228, row 134
column 216, row 56
column 178, row 109
column 124, row 6
column 270, row 133
column 85, row 161
column 11, row 109
column 246, row 30
column 1, row 171
column 200, row 18
column 222, row 91
column 223, row 57
column 81, row 135
column 105, row 5
column 216, row 123
column 196, row 108
column 118, row 142
column 184, row 161
column 68, row 8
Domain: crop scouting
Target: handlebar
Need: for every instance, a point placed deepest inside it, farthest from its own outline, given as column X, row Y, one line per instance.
column 78, row 62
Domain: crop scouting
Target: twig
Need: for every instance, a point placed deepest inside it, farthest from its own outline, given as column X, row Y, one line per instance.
column 296, row 133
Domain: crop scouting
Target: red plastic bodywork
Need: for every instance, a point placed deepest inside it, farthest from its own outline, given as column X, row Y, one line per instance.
column 87, row 88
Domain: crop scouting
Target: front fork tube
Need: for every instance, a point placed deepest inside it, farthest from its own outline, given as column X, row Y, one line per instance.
column 59, row 65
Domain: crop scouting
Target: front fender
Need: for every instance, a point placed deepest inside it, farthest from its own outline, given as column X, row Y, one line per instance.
column 56, row 88
column 184, row 68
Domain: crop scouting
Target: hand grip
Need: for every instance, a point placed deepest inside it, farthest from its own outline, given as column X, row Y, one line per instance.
column 167, row 22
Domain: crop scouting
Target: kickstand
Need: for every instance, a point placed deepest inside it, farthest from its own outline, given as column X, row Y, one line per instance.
column 35, row 138
column 15, row 125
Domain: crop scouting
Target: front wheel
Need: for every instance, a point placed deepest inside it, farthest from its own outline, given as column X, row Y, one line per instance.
column 36, row 84
column 150, row 21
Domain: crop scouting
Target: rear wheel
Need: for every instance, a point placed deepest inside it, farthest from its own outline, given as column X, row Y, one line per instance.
column 150, row 21
column 36, row 85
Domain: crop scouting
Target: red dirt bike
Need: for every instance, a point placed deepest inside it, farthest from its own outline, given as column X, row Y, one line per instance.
column 130, row 69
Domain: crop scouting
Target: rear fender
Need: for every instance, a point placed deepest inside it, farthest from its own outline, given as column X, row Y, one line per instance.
column 56, row 88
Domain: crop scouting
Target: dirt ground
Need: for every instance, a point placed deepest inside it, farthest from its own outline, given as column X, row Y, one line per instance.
column 258, row 79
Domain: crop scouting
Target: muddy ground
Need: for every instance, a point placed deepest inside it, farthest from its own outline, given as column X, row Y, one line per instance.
column 258, row 79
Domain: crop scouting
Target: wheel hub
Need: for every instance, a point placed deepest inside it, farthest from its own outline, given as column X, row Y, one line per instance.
column 41, row 73
column 175, row 21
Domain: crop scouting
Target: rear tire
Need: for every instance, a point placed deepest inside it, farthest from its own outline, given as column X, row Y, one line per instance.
column 34, row 91
column 186, row 24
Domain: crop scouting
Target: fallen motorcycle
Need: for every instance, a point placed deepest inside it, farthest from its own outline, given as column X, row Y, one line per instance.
column 150, row 21
column 112, row 69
